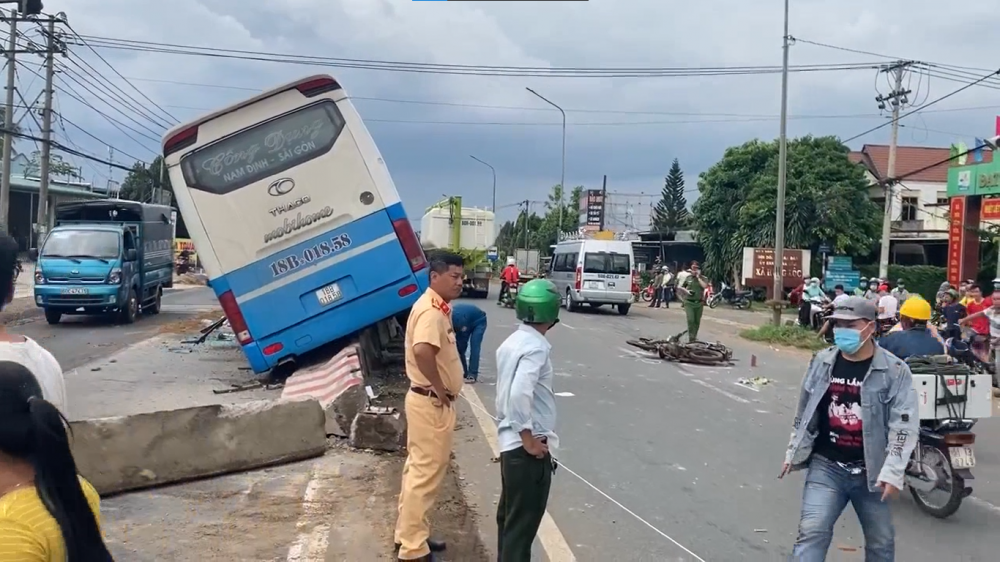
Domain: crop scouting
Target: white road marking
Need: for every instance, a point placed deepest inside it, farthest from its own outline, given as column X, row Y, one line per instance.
column 552, row 539
column 984, row 504
column 746, row 386
column 561, row 323
column 727, row 394
column 312, row 544
column 565, row 394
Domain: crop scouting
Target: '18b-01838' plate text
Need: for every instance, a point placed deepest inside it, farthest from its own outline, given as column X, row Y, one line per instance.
column 329, row 294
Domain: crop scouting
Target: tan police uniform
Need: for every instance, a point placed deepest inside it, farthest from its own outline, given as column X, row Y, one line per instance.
column 430, row 426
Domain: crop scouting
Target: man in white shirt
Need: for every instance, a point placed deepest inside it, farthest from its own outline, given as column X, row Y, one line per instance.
column 526, row 415
column 887, row 304
column 839, row 295
column 23, row 350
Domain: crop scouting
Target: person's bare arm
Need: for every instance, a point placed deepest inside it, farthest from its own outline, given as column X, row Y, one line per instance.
column 971, row 317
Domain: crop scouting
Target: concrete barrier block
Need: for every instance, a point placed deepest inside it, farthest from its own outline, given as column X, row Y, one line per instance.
column 338, row 385
column 131, row 452
column 381, row 431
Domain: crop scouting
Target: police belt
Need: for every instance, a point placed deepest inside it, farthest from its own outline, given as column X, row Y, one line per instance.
column 428, row 392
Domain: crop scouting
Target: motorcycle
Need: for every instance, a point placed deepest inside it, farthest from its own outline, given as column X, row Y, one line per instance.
column 737, row 299
column 811, row 312
column 510, row 298
column 647, row 293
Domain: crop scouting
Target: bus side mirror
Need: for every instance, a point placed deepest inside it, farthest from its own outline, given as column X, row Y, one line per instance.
column 33, row 254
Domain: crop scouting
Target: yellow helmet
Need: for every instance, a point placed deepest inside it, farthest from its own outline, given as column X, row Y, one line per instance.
column 916, row 308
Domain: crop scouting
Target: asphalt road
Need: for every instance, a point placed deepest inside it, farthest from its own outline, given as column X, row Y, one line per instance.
column 695, row 455
column 78, row 340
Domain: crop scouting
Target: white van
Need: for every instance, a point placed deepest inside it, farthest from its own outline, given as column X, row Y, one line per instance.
column 595, row 272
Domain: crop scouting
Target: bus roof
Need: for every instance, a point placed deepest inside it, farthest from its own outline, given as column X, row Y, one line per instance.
column 328, row 81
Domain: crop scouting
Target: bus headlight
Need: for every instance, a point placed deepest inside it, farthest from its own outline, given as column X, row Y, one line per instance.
column 115, row 277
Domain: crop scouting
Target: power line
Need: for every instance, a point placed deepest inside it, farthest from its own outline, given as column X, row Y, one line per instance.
column 119, row 74
column 110, row 93
column 113, row 106
column 66, row 149
column 935, row 101
column 455, row 69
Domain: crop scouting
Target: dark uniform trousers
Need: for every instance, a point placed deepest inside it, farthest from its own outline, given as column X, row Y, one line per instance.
column 525, row 482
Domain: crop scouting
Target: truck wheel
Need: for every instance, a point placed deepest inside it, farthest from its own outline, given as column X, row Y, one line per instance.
column 623, row 309
column 130, row 309
column 157, row 302
column 52, row 316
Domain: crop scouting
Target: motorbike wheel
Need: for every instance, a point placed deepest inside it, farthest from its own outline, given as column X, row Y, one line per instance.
column 646, row 296
column 742, row 303
column 714, row 301
column 947, row 507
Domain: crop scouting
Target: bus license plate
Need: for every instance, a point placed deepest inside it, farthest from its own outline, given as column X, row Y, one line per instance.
column 75, row 291
column 329, row 294
column 962, row 457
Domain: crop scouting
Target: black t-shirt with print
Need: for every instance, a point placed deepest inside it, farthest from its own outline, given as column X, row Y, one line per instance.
column 840, row 438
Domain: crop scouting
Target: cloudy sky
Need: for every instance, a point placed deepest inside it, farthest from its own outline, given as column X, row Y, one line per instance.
column 427, row 125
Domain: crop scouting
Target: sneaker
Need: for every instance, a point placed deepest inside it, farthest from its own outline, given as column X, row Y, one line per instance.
column 470, row 380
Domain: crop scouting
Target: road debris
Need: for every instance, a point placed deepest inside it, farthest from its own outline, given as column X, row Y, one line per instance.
column 753, row 382
column 249, row 386
column 697, row 352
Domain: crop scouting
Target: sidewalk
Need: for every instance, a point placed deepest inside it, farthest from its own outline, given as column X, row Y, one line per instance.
column 341, row 506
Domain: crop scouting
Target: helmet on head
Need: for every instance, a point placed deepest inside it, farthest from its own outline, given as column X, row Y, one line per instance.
column 916, row 308
column 952, row 293
column 900, row 282
column 664, row 269
column 510, row 260
column 538, row 302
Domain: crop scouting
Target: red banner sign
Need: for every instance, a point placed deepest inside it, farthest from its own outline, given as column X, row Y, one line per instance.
column 956, row 236
column 991, row 209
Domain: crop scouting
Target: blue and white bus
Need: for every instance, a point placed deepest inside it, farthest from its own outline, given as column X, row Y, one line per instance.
column 296, row 219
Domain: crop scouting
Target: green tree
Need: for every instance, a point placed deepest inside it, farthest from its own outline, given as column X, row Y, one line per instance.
column 670, row 213
column 57, row 167
column 141, row 183
column 826, row 201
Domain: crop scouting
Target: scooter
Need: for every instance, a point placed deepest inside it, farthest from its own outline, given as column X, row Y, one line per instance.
column 509, row 299
column 738, row 299
column 647, row 293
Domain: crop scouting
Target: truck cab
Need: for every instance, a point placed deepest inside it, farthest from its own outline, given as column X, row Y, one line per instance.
column 105, row 258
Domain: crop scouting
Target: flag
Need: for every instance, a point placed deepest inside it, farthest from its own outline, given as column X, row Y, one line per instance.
column 977, row 152
column 963, row 153
column 953, row 155
column 327, row 381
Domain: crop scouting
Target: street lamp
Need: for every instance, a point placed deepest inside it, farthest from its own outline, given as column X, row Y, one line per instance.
column 494, row 208
column 562, row 176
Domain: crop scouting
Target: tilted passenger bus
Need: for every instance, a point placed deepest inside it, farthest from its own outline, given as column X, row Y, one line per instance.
column 296, row 219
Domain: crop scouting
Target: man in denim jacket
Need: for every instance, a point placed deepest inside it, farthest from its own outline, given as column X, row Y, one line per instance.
column 855, row 427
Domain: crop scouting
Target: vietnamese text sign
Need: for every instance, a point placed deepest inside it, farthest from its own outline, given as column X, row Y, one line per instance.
column 758, row 266
column 991, row 209
column 595, row 207
column 956, row 232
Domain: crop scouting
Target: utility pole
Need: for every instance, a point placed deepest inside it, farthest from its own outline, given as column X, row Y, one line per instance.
column 525, row 224
column 897, row 98
column 8, row 121
column 604, row 200
column 779, row 216
column 562, row 176
column 52, row 47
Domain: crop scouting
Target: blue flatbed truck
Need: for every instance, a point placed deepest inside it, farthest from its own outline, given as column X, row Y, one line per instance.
column 105, row 257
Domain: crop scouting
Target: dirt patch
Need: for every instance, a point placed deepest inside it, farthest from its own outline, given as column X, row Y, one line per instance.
column 193, row 324
column 191, row 279
column 20, row 309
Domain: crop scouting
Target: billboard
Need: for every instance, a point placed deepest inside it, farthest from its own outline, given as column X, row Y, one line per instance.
column 758, row 266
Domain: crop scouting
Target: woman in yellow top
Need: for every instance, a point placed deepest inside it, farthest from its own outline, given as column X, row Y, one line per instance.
column 47, row 512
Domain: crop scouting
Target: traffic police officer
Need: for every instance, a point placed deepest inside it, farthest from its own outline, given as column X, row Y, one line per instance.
column 435, row 372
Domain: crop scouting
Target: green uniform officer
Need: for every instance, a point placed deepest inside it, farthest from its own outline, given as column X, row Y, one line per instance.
column 692, row 291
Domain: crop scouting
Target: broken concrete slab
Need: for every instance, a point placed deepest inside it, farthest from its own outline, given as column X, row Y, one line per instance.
column 338, row 385
column 379, row 430
column 131, row 452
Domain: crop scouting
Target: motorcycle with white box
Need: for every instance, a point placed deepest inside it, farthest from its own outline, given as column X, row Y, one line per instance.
column 950, row 401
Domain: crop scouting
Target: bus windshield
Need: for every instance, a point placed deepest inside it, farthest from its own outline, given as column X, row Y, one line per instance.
column 101, row 244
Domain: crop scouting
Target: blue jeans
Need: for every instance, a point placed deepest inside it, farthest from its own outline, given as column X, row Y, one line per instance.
column 471, row 341
column 828, row 489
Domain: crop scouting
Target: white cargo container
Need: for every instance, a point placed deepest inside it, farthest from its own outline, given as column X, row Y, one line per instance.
column 941, row 397
column 478, row 230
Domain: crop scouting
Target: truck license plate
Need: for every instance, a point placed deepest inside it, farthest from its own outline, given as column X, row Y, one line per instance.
column 962, row 457
column 75, row 291
column 329, row 294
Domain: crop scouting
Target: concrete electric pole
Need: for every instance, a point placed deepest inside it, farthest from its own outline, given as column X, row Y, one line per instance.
column 8, row 122
column 779, row 216
column 896, row 98
column 53, row 46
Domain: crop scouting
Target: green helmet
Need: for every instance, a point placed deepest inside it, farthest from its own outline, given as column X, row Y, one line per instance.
column 538, row 302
